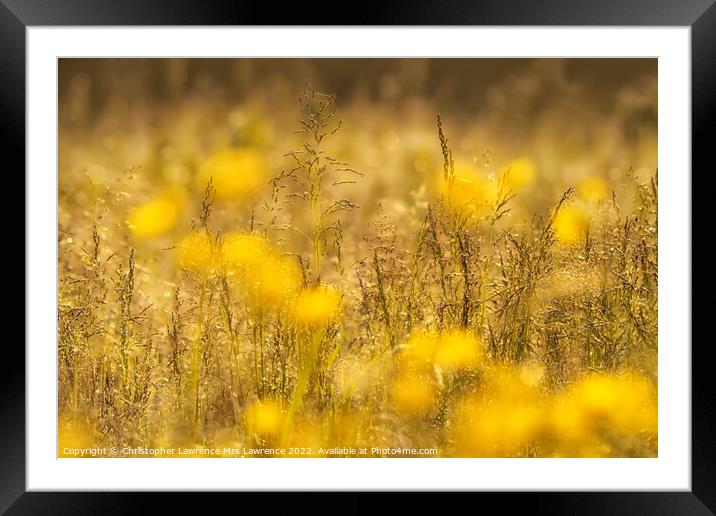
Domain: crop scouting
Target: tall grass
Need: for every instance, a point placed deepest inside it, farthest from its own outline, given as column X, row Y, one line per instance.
column 460, row 326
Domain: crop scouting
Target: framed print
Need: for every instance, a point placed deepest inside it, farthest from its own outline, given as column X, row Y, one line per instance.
column 394, row 256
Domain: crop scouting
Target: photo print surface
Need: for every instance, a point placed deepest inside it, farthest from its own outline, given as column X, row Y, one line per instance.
column 357, row 258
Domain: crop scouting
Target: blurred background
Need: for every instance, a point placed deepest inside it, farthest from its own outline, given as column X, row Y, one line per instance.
column 570, row 118
column 465, row 81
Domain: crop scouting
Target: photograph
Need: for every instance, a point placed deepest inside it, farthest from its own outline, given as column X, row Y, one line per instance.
column 357, row 258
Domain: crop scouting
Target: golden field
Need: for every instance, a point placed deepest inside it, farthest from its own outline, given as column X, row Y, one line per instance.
column 394, row 272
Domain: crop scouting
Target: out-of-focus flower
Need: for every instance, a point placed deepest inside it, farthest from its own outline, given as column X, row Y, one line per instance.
column 601, row 407
column 267, row 278
column 196, row 252
column 502, row 419
column 273, row 281
column 412, row 393
column 622, row 403
column 157, row 216
column 496, row 430
column 450, row 351
column 264, row 418
column 457, row 349
column 593, row 189
column 518, row 174
column 241, row 252
column 235, row 173
column 316, row 306
column 471, row 194
column 571, row 225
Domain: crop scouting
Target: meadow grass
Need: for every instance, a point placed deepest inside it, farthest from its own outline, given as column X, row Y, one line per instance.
column 249, row 304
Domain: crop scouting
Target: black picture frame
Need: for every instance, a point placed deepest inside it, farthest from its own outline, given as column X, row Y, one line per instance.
column 17, row 15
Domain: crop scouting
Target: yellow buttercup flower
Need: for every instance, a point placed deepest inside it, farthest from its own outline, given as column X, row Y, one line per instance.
column 625, row 400
column 264, row 418
column 509, row 384
column 273, row 281
column 157, row 216
column 235, row 173
column 266, row 277
column 457, row 349
column 571, row 225
column 450, row 351
column 412, row 393
column 638, row 410
column 503, row 418
column 242, row 251
column 602, row 405
column 471, row 193
column 195, row 252
column 316, row 306
column 496, row 429
column 518, row 174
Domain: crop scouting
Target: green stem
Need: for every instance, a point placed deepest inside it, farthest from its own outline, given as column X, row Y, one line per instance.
column 233, row 362
column 305, row 371
column 196, row 354
column 263, row 363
